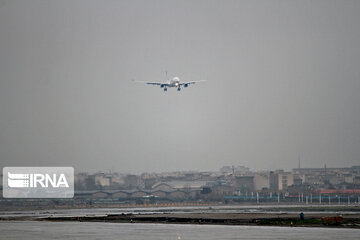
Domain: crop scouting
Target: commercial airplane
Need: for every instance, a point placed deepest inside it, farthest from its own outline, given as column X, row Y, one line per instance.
column 173, row 82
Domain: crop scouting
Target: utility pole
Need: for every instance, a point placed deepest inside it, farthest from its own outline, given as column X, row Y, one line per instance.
column 302, row 197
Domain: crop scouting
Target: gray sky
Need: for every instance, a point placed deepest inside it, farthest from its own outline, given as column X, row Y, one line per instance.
column 283, row 81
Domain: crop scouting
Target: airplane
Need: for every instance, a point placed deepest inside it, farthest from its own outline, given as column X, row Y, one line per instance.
column 173, row 82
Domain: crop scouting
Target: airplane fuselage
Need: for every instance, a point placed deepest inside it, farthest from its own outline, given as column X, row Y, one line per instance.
column 174, row 82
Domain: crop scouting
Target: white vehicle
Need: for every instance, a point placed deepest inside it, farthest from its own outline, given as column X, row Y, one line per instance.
column 173, row 82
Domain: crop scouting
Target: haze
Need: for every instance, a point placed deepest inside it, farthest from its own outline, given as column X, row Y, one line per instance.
column 283, row 83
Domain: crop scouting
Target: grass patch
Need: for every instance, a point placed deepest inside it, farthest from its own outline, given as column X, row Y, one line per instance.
column 289, row 222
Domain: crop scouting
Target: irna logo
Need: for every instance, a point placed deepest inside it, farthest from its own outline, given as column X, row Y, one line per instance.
column 33, row 180
column 38, row 182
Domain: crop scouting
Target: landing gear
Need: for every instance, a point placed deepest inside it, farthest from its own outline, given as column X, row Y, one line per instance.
column 165, row 89
column 179, row 89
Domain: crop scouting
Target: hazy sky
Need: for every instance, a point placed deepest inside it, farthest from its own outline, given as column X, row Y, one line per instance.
column 283, row 82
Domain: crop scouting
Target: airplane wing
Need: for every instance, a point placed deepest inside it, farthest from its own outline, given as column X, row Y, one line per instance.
column 152, row 83
column 189, row 83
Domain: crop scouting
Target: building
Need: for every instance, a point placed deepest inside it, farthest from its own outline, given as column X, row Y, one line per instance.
column 281, row 180
column 261, row 181
column 244, row 183
column 102, row 180
column 285, row 179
